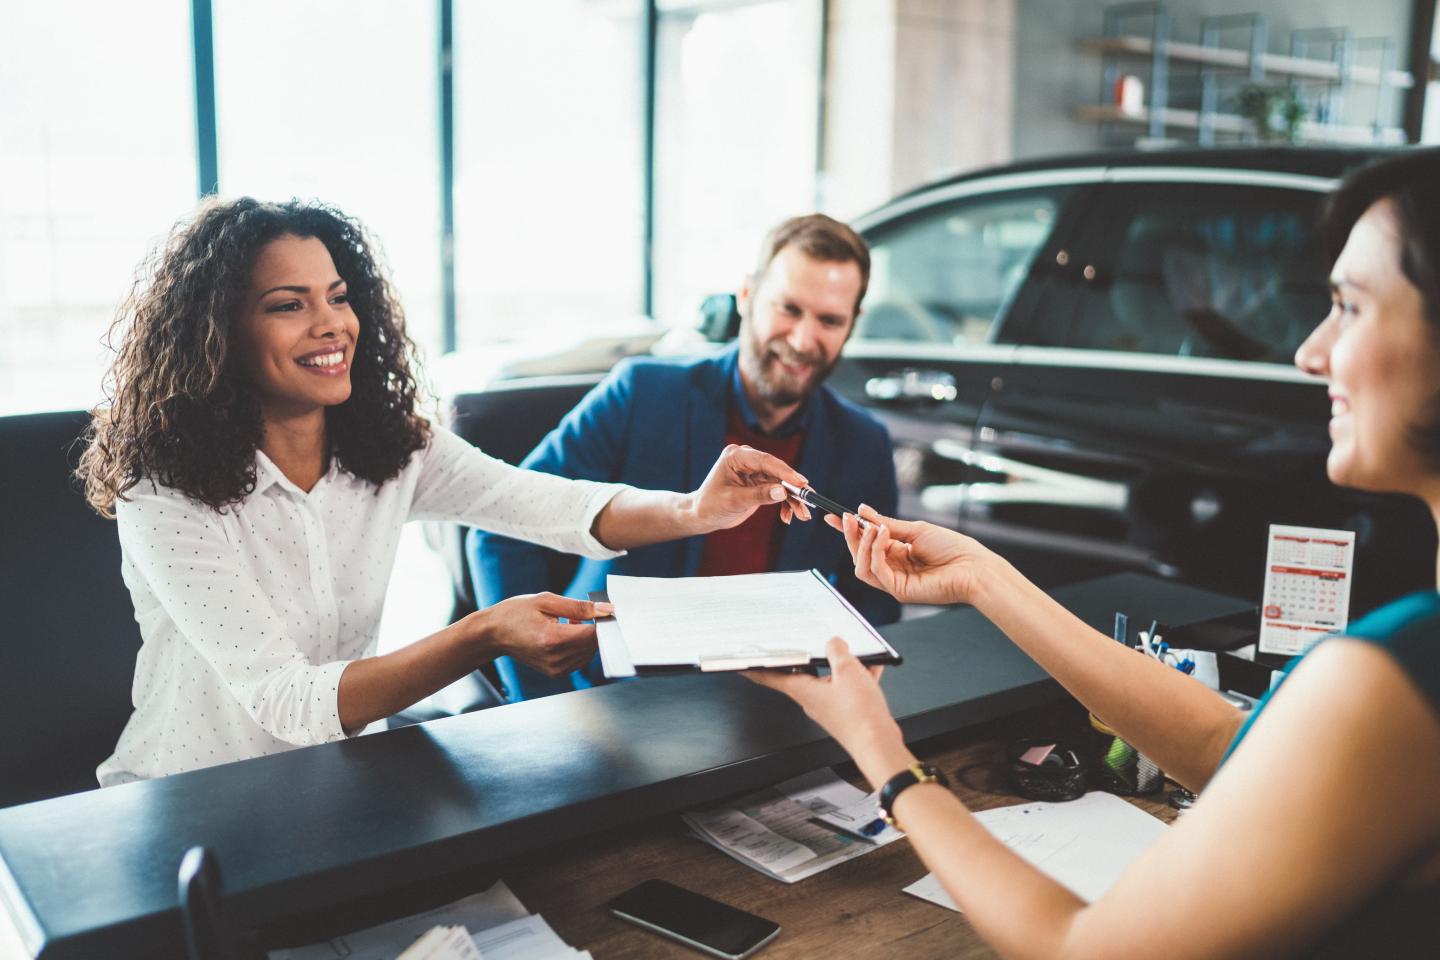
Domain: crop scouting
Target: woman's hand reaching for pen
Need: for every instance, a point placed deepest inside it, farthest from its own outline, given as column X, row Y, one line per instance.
column 913, row 561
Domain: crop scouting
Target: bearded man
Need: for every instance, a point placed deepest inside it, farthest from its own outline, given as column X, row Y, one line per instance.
column 660, row 423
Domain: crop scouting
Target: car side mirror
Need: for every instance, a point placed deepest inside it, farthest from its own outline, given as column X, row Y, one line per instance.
column 720, row 317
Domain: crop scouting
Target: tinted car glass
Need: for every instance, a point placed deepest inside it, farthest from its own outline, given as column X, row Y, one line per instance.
column 944, row 275
column 1203, row 270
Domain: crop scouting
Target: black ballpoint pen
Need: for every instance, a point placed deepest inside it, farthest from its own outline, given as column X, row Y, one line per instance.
column 810, row 498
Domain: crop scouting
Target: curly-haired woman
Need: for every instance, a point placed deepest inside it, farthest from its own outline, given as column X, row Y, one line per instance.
column 1319, row 829
column 261, row 450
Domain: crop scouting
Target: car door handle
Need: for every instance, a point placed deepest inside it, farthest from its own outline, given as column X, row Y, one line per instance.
column 912, row 385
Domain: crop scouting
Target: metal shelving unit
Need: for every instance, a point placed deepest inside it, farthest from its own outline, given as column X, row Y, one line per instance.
column 1330, row 81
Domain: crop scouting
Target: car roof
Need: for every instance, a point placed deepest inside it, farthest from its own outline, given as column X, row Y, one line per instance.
column 1312, row 160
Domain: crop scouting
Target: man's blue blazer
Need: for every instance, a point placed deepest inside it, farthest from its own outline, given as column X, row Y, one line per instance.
column 659, row 424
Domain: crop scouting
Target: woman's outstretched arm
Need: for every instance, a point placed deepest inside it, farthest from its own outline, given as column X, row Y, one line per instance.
column 742, row 481
column 1181, row 724
column 1329, row 800
column 527, row 627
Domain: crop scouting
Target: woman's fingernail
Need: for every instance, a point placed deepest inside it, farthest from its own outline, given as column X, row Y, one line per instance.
column 604, row 609
column 777, row 493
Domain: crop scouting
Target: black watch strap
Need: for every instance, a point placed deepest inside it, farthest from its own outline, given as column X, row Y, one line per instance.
column 902, row 781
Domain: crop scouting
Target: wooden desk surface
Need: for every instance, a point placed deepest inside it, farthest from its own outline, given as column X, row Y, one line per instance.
column 856, row 909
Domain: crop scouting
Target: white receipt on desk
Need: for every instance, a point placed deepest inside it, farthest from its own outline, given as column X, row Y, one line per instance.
column 1084, row 845
column 776, row 831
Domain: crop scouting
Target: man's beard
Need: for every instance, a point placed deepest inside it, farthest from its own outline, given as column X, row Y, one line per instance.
column 774, row 386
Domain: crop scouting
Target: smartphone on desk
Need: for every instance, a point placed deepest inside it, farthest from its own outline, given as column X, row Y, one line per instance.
column 697, row 921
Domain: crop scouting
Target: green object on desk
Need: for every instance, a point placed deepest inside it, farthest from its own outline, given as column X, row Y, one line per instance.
column 1120, row 760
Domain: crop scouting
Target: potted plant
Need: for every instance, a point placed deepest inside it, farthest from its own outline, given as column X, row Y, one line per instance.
column 1276, row 111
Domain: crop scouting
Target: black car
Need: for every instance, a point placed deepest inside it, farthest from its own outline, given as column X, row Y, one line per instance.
column 1086, row 363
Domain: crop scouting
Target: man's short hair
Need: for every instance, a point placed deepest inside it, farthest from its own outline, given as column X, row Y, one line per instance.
column 820, row 238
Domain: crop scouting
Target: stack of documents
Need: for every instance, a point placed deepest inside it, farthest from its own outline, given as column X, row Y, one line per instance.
column 503, row 930
column 443, row 943
column 666, row 624
column 1084, row 844
column 795, row 829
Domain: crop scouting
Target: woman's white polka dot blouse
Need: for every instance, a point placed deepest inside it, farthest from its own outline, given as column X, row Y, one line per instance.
column 250, row 615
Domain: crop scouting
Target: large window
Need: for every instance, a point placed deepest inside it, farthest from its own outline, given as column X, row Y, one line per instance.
column 549, row 183
column 97, row 160
column 737, row 99
column 340, row 100
column 337, row 100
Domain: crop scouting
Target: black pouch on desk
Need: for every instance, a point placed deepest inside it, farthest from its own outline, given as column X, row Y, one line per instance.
column 1059, row 777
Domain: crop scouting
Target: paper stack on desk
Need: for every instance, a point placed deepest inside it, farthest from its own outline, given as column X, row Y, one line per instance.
column 1084, row 844
column 443, row 943
column 502, row 930
column 775, row 830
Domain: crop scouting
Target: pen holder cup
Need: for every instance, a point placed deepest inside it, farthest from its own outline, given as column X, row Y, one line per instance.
column 1119, row 767
column 1059, row 776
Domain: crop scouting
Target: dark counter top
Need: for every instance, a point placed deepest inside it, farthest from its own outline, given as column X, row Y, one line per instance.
column 93, row 874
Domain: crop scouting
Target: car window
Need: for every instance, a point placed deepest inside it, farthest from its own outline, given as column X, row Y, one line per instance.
column 1225, row 271
column 945, row 274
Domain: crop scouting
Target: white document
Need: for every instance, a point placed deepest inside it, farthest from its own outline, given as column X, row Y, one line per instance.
column 481, row 911
column 529, row 938
column 666, row 621
column 1084, row 844
column 1307, row 587
column 614, row 657
column 774, row 830
column 443, row 943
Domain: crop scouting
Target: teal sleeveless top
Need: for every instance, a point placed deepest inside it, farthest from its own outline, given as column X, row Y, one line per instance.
column 1396, row 922
column 1409, row 628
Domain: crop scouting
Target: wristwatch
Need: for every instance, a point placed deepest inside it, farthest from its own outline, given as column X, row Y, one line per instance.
column 902, row 781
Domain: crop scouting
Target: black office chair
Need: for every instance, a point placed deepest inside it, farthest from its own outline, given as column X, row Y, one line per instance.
column 67, row 650
column 507, row 421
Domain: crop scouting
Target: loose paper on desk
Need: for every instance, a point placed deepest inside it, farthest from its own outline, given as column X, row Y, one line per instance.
column 775, row 830
column 504, row 930
column 1084, row 844
column 1307, row 587
column 667, row 621
column 443, row 943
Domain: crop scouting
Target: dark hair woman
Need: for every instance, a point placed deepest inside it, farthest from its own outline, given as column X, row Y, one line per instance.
column 261, row 450
column 1318, row 832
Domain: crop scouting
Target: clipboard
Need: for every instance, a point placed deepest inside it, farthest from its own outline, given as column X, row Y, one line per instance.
column 617, row 663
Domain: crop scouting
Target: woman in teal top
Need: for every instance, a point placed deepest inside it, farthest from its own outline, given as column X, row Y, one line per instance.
column 1320, row 833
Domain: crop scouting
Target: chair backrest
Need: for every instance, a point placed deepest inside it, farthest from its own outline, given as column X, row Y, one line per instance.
column 508, row 420
column 69, row 638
